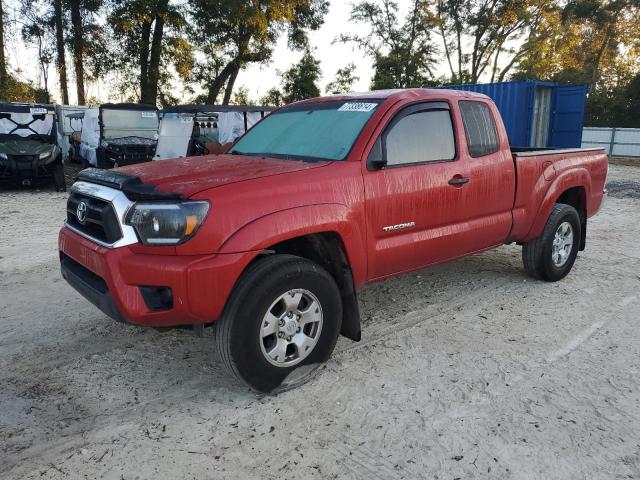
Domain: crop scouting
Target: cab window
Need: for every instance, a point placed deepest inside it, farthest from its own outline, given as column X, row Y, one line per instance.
column 422, row 134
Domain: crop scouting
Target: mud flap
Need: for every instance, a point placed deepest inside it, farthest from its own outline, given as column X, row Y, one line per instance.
column 350, row 308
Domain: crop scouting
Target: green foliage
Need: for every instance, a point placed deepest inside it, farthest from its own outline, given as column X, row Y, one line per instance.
column 14, row 90
column 273, row 98
column 345, row 78
column 615, row 106
column 241, row 97
column 403, row 52
column 300, row 81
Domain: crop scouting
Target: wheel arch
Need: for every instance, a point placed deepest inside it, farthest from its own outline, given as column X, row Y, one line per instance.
column 325, row 234
column 572, row 188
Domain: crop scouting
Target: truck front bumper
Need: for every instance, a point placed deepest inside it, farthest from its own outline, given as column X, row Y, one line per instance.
column 149, row 289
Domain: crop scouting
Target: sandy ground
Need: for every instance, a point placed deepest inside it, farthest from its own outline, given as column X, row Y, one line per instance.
column 466, row 370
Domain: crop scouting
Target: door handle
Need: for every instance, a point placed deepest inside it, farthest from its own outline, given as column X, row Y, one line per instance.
column 458, row 181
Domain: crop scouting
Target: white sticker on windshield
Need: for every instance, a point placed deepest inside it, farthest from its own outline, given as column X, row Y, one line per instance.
column 148, row 114
column 37, row 110
column 357, row 107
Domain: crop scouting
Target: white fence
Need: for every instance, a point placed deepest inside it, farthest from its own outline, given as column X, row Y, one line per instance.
column 617, row 142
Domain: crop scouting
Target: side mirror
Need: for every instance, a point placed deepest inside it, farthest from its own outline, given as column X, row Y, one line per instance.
column 376, row 160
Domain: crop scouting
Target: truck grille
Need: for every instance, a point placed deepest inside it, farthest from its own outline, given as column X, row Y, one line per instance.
column 101, row 221
column 136, row 149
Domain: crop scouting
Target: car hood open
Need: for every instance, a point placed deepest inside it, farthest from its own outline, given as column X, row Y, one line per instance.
column 188, row 176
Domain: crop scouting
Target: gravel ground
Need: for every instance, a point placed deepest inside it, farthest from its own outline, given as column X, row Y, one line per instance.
column 466, row 370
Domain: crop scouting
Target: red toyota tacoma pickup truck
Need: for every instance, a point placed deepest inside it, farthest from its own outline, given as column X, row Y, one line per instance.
column 272, row 240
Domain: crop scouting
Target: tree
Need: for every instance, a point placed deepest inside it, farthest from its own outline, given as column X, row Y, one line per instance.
column 584, row 40
column 593, row 42
column 147, row 35
column 345, row 78
column 272, row 98
column 35, row 30
column 241, row 97
column 300, row 81
column 484, row 37
column 403, row 53
column 77, row 31
column 61, row 63
column 234, row 33
column 3, row 59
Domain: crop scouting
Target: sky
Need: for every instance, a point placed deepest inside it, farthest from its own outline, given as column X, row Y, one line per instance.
column 256, row 78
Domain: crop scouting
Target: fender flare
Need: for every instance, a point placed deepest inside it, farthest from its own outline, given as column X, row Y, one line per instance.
column 574, row 178
column 276, row 227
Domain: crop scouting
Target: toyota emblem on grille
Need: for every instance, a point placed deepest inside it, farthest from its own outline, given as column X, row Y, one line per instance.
column 81, row 212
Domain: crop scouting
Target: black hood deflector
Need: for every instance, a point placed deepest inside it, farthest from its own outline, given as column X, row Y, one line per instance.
column 132, row 186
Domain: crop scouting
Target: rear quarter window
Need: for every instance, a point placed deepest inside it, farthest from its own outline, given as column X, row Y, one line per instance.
column 480, row 128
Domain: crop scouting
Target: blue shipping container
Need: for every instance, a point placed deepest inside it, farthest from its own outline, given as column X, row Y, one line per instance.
column 537, row 113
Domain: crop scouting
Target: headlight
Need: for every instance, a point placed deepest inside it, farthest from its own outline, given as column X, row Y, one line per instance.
column 3, row 156
column 45, row 155
column 104, row 144
column 166, row 223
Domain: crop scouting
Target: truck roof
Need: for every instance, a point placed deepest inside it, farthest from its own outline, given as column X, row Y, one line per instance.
column 195, row 108
column 397, row 94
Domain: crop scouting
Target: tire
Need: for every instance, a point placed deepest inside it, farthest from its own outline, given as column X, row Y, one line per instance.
column 265, row 288
column 540, row 259
column 58, row 178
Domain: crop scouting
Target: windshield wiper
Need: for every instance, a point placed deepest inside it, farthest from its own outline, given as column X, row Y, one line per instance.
column 247, row 154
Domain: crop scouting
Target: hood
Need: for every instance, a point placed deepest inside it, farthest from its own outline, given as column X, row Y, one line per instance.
column 25, row 147
column 131, row 141
column 188, row 176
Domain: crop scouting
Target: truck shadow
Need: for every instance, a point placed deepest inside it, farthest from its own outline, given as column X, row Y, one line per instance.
column 104, row 370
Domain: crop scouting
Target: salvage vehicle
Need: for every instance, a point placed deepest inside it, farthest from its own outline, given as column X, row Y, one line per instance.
column 189, row 130
column 69, row 125
column 128, row 135
column 271, row 242
column 29, row 154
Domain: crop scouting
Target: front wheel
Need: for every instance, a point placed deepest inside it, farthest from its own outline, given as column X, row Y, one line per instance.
column 551, row 256
column 280, row 324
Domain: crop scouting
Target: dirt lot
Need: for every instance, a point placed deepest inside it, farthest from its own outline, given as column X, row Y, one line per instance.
column 467, row 370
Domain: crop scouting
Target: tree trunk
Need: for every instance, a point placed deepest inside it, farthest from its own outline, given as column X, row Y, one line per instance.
column 3, row 60
column 144, row 56
column 61, row 62
column 78, row 47
column 232, row 80
column 218, row 82
column 150, row 93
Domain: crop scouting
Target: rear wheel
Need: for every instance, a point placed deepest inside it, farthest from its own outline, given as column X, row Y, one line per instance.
column 280, row 324
column 551, row 256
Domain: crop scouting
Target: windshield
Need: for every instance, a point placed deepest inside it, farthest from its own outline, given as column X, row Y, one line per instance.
column 314, row 131
column 129, row 123
column 22, row 125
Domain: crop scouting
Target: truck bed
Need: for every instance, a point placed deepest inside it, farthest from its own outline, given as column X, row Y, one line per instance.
column 542, row 175
column 537, row 151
